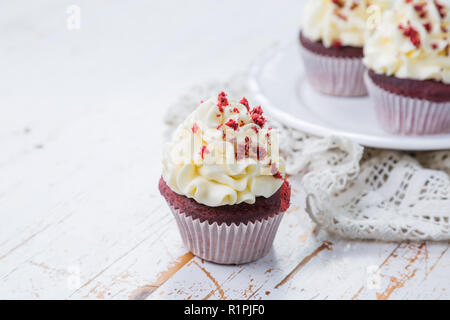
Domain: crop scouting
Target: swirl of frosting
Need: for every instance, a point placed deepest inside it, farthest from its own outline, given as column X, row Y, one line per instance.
column 336, row 22
column 412, row 41
column 223, row 154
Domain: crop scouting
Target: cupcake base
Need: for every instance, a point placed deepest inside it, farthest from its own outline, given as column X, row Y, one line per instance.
column 235, row 234
column 227, row 244
column 332, row 73
column 404, row 115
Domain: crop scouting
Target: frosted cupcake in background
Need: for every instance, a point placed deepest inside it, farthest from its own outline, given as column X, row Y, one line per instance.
column 224, row 181
column 408, row 63
column 332, row 40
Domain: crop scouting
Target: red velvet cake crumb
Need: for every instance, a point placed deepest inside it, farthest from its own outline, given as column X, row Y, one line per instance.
column 263, row 208
column 244, row 101
column 257, row 116
column 339, row 3
column 222, row 101
column 203, row 152
column 412, row 34
column 232, row 124
column 195, row 128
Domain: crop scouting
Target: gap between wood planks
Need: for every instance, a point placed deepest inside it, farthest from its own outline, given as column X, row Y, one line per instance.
column 395, row 282
column 143, row 292
column 326, row 245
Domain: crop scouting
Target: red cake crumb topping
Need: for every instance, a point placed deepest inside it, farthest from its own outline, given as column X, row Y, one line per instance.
column 257, row 117
column 244, row 101
column 232, row 124
column 236, row 110
column 274, row 170
column 195, row 128
column 222, row 101
column 339, row 3
column 420, row 9
column 340, row 15
column 441, row 9
column 204, row 151
column 336, row 44
column 354, row 5
column 412, row 34
column 427, row 27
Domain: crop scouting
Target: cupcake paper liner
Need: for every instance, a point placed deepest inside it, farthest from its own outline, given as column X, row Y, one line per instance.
column 227, row 244
column 408, row 116
column 334, row 75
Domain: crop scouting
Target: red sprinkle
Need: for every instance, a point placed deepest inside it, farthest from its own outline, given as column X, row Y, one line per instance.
column 441, row 9
column 274, row 170
column 412, row 34
column 257, row 116
column 222, row 101
column 336, row 44
column 341, row 16
column 339, row 3
column 232, row 124
column 354, row 6
column 204, row 151
column 195, row 128
column 244, row 101
column 420, row 9
column 257, row 110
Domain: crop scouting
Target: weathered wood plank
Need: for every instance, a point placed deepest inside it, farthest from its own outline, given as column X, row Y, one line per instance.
column 62, row 228
column 412, row 271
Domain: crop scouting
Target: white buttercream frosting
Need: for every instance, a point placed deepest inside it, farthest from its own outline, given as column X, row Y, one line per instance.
column 412, row 41
column 213, row 156
column 341, row 22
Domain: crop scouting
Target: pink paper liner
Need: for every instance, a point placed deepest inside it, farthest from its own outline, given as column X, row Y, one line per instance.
column 223, row 244
column 408, row 116
column 334, row 75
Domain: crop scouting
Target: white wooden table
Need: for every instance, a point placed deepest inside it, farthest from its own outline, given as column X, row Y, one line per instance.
column 80, row 142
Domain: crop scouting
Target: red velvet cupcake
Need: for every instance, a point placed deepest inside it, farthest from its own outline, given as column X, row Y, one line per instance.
column 409, row 68
column 223, row 182
column 331, row 42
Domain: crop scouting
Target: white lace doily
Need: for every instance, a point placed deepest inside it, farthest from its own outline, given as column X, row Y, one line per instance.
column 354, row 192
